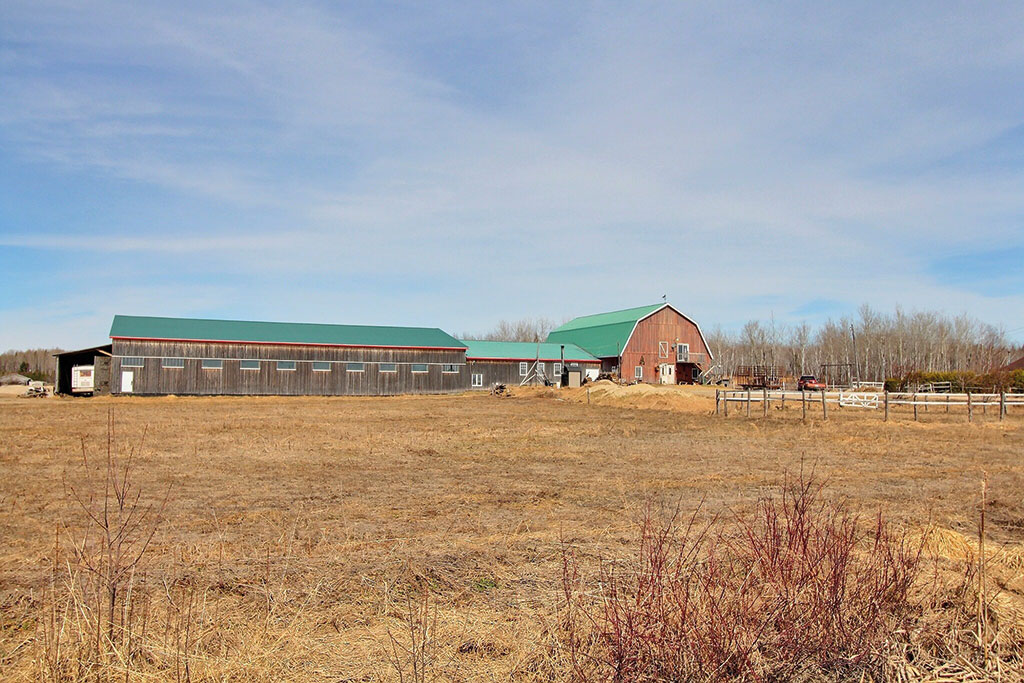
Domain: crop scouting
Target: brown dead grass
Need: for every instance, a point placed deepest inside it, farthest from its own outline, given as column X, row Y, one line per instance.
column 301, row 526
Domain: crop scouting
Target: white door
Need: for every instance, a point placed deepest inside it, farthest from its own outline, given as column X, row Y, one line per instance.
column 127, row 379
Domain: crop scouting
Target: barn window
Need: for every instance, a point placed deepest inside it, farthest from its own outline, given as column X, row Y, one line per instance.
column 419, row 367
column 662, row 349
column 449, row 368
column 638, row 372
column 249, row 364
column 130, row 362
column 173, row 363
column 682, row 353
column 523, row 369
column 212, row 364
column 354, row 367
column 540, row 368
column 321, row 366
column 285, row 365
column 478, row 379
column 388, row 367
column 556, row 369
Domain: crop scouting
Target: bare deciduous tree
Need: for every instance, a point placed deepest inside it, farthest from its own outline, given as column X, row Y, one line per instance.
column 524, row 330
column 876, row 345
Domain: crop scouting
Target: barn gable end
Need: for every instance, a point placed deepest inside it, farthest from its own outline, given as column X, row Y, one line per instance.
column 648, row 343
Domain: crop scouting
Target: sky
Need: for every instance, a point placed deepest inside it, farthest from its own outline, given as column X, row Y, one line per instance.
column 453, row 164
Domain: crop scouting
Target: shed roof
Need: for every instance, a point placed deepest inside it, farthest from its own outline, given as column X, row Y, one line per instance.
column 197, row 329
column 103, row 350
column 545, row 351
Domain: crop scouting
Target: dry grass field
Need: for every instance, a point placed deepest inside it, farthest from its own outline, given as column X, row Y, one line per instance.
column 298, row 536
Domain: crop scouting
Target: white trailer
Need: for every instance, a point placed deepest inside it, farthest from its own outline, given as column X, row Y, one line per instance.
column 82, row 379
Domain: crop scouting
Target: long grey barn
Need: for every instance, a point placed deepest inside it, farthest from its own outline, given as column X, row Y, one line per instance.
column 157, row 356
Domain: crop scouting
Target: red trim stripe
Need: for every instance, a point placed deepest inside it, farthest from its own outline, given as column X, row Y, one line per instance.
column 545, row 360
column 269, row 343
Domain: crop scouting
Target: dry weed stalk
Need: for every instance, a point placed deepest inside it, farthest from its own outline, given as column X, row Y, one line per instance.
column 412, row 651
column 99, row 609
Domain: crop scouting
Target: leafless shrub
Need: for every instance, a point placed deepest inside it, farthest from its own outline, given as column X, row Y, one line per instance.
column 797, row 590
column 412, row 650
column 100, row 608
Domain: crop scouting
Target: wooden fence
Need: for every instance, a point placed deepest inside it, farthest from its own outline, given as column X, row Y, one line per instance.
column 820, row 401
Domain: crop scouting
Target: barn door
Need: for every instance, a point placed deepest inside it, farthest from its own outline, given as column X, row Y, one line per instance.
column 127, row 380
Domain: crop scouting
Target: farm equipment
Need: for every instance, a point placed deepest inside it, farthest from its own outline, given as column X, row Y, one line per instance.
column 713, row 375
column 36, row 390
column 758, row 377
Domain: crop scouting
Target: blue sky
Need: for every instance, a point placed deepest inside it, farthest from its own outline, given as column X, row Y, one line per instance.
column 453, row 164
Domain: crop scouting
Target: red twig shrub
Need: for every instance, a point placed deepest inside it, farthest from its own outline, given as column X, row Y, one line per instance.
column 801, row 588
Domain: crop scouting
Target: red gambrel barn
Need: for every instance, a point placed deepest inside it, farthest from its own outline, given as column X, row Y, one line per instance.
column 655, row 344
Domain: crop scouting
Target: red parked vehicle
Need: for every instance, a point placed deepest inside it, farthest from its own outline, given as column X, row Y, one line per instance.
column 810, row 383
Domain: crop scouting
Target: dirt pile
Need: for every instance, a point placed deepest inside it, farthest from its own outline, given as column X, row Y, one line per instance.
column 677, row 398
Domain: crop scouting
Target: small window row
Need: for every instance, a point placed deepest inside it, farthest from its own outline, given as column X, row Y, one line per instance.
column 285, row 365
column 524, row 369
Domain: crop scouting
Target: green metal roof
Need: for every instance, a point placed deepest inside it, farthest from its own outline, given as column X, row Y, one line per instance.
column 495, row 350
column 602, row 334
column 196, row 329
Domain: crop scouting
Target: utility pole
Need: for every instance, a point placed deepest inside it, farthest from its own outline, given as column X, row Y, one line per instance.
column 856, row 360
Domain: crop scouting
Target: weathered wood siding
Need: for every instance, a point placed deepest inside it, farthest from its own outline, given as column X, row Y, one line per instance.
column 101, row 375
column 154, row 379
column 507, row 372
column 664, row 326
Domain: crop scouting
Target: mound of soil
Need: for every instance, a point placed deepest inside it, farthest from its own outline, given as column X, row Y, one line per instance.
column 679, row 398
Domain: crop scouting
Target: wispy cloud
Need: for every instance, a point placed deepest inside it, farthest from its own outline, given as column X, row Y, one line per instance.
column 536, row 159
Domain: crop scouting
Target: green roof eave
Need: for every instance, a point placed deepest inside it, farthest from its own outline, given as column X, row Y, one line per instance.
column 545, row 351
column 206, row 330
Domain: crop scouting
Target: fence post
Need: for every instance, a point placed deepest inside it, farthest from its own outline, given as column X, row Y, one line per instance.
column 915, row 407
column 748, row 402
column 803, row 404
column 970, row 408
column 764, row 396
column 885, row 396
column 1002, row 405
column 783, row 398
column 716, row 401
column 824, row 406
column 947, row 402
column 725, row 400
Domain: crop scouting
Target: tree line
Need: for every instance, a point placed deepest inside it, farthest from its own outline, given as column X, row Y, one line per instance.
column 869, row 346
column 523, row 330
column 37, row 364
